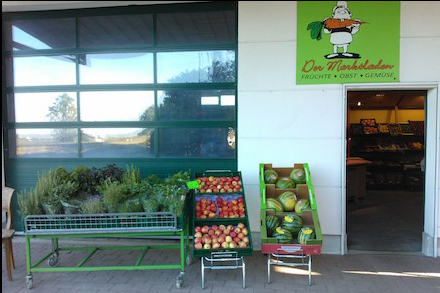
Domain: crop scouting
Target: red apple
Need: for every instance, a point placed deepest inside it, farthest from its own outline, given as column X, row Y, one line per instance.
column 241, row 225
column 211, row 215
column 242, row 244
column 198, row 246
column 198, row 235
column 222, row 227
column 240, row 235
column 214, row 227
column 236, row 240
column 218, row 245
column 231, row 227
column 228, row 239
column 232, row 245
column 211, row 232
column 203, row 217
column 237, row 230
column 225, row 244
column 233, row 234
column 207, row 239
column 246, row 239
column 207, row 246
column 245, row 231
column 221, row 239
column 226, row 231
column 214, row 240
column 197, row 229
column 197, row 240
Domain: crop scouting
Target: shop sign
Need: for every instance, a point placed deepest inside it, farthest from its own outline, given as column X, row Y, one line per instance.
column 347, row 42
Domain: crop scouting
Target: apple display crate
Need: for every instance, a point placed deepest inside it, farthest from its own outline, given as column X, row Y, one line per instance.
column 229, row 258
column 291, row 254
column 120, row 225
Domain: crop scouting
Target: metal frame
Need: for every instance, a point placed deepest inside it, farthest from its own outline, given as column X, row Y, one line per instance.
column 222, row 257
column 271, row 261
column 53, row 256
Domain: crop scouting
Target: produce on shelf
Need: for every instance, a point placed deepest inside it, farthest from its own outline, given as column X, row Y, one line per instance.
column 288, row 199
column 298, row 175
column 272, row 222
column 305, row 234
column 109, row 189
column 285, row 183
column 292, row 223
column 221, row 237
column 283, row 236
column 219, row 206
column 273, row 203
column 270, row 176
column 302, row 205
column 213, row 184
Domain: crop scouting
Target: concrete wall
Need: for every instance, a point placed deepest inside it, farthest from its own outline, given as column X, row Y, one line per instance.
column 281, row 123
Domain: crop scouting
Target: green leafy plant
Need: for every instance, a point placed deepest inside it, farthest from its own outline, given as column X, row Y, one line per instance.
column 29, row 202
column 93, row 205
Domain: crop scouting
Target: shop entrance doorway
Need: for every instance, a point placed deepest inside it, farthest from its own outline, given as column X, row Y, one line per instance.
column 385, row 170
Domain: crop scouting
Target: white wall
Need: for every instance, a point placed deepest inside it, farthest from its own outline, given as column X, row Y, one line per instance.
column 281, row 123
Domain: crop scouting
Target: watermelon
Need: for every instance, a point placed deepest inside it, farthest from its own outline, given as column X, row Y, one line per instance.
column 302, row 205
column 272, row 222
column 292, row 223
column 283, row 236
column 298, row 175
column 288, row 200
column 305, row 234
column 285, row 183
column 273, row 203
column 270, row 176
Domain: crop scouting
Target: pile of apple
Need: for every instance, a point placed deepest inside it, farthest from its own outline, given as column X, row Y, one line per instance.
column 219, row 184
column 221, row 237
column 205, row 209
column 231, row 209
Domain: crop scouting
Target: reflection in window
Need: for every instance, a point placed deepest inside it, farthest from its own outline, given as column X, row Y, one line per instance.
column 46, row 107
column 50, row 70
column 116, row 30
column 46, row 143
column 117, row 106
column 117, row 143
column 118, row 68
column 58, row 33
column 181, row 105
column 192, row 67
column 196, row 27
column 196, row 143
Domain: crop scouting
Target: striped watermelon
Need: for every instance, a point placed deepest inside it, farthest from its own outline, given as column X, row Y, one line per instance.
column 305, row 234
column 292, row 223
column 302, row 205
column 298, row 175
column 288, row 200
column 272, row 222
column 270, row 176
column 283, row 236
column 273, row 203
column 285, row 183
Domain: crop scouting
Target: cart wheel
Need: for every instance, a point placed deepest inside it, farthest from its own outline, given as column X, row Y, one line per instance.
column 53, row 260
column 179, row 281
column 29, row 282
column 189, row 260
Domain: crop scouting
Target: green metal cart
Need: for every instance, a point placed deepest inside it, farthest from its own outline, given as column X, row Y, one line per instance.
column 130, row 225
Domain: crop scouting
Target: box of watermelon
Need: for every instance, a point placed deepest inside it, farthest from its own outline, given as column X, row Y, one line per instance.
column 288, row 200
column 219, row 182
column 290, row 233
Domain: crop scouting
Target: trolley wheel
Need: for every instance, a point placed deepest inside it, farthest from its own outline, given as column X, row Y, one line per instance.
column 179, row 281
column 29, row 282
column 189, row 259
column 53, row 260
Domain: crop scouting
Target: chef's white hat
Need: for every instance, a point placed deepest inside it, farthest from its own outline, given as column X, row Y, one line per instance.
column 341, row 4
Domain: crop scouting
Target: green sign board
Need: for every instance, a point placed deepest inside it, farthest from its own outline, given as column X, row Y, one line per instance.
column 348, row 42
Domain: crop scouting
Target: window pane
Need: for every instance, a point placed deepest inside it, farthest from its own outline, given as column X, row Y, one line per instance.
column 116, row 68
column 39, row 34
column 51, row 70
column 115, row 30
column 117, row 106
column 205, row 105
column 46, row 107
column 46, row 143
column 188, row 67
column 117, row 143
column 196, row 27
column 197, row 142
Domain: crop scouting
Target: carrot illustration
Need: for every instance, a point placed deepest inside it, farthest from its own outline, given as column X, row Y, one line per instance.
column 333, row 23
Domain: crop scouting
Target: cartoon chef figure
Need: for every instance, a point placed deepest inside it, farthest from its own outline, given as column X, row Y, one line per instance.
column 341, row 28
